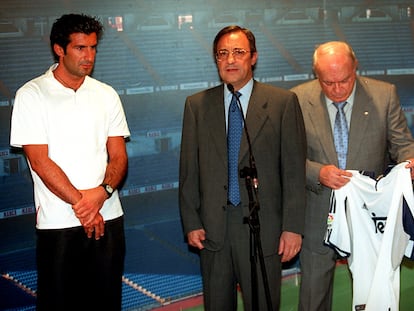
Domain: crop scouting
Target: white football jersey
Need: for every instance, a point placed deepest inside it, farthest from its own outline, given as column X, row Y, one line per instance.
column 365, row 224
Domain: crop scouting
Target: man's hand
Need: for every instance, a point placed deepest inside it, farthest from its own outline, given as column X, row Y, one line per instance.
column 97, row 226
column 333, row 177
column 289, row 245
column 410, row 165
column 196, row 237
column 87, row 211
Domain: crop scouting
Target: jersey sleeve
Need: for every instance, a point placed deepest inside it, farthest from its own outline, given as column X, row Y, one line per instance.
column 408, row 223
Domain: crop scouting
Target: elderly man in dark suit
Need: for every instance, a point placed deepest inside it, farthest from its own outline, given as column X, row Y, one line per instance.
column 378, row 136
column 212, row 222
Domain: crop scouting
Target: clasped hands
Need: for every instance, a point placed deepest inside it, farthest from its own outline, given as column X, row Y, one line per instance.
column 87, row 211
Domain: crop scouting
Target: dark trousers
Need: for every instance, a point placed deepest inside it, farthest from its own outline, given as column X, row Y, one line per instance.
column 224, row 270
column 317, row 279
column 77, row 273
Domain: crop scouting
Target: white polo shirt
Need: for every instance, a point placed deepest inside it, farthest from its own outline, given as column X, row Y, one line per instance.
column 75, row 126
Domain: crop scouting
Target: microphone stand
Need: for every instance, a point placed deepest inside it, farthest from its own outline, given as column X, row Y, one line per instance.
column 256, row 252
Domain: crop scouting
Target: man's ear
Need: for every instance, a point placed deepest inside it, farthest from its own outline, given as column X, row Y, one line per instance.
column 254, row 58
column 58, row 50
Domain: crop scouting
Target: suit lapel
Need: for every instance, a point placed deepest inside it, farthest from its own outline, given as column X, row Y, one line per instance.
column 359, row 121
column 255, row 118
column 321, row 125
column 214, row 117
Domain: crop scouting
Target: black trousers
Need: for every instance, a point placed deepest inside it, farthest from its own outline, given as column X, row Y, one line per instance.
column 78, row 273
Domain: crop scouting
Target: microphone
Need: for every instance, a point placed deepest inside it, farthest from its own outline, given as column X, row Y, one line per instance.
column 252, row 162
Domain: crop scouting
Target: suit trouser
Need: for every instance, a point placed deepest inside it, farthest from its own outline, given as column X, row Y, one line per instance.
column 223, row 270
column 317, row 276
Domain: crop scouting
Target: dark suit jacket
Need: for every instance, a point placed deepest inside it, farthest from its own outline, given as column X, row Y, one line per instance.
column 276, row 131
column 378, row 135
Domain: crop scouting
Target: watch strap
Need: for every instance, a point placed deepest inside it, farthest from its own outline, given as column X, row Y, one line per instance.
column 108, row 189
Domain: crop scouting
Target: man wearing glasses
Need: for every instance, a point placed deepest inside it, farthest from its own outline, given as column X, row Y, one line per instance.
column 271, row 143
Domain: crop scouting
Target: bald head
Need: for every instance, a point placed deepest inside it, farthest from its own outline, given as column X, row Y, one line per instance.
column 333, row 49
column 335, row 65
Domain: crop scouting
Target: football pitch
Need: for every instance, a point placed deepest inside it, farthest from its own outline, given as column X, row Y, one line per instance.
column 342, row 299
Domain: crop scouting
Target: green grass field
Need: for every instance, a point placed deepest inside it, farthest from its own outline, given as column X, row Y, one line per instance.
column 342, row 299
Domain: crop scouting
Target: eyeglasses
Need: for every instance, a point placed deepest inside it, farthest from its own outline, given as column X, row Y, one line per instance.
column 223, row 54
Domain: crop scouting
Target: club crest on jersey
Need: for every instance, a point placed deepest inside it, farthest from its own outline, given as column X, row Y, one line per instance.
column 330, row 220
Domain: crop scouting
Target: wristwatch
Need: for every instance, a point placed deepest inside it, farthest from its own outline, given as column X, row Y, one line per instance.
column 108, row 189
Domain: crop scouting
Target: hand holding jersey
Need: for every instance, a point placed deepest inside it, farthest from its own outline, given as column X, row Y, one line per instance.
column 365, row 224
column 333, row 177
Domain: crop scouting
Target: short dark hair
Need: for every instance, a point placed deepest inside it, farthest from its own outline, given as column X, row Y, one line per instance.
column 234, row 28
column 73, row 23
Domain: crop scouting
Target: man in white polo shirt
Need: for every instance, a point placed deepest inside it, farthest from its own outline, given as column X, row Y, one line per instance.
column 72, row 129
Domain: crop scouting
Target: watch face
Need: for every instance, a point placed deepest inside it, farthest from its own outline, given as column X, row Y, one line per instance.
column 109, row 188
